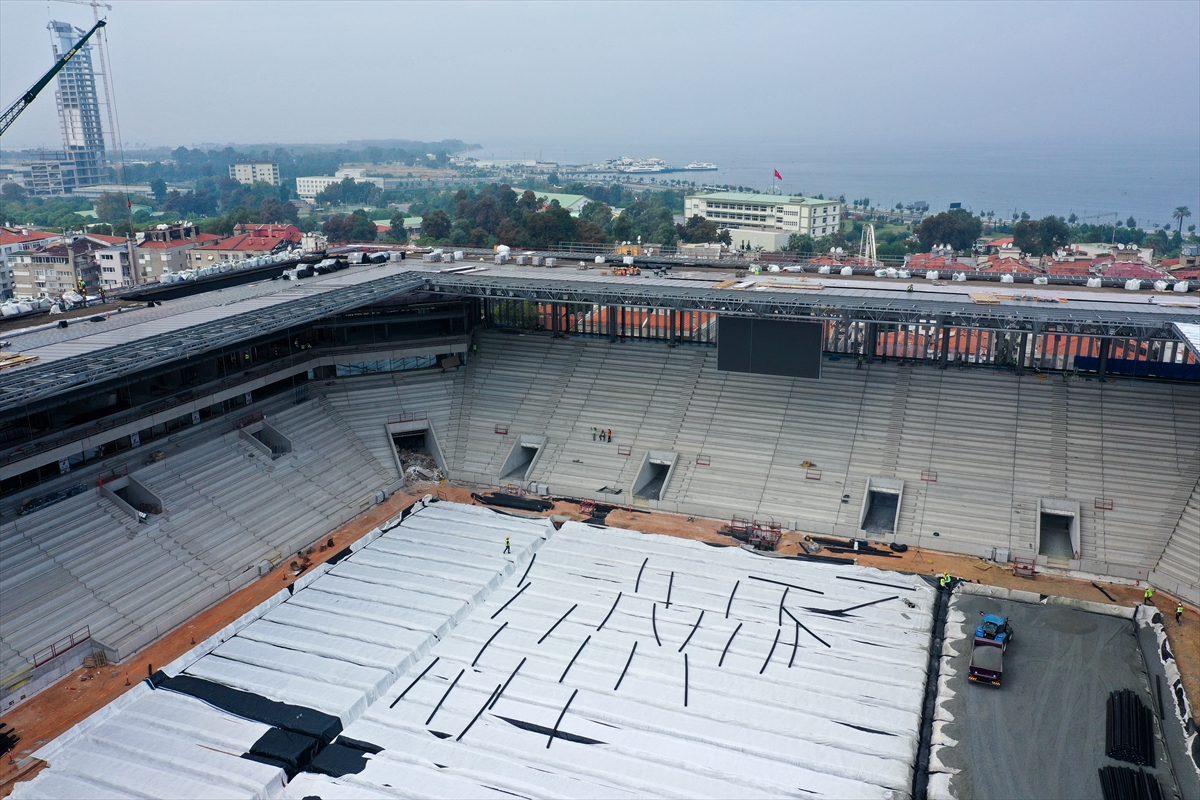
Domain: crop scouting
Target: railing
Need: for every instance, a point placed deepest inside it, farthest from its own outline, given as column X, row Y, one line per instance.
column 407, row 416
column 249, row 420
column 64, row 644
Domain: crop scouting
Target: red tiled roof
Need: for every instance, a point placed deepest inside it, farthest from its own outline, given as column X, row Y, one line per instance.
column 1127, row 269
column 1008, row 265
column 271, row 231
column 33, row 236
column 109, row 239
column 1069, row 268
column 1167, row 263
column 1187, row 273
column 243, row 243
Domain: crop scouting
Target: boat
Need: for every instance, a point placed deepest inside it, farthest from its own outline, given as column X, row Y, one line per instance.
column 701, row 165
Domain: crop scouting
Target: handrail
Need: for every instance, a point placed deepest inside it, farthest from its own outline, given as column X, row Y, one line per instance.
column 56, row 649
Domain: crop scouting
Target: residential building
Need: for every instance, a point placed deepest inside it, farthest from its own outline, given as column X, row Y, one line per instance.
column 249, row 172
column 164, row 249
column 15, row 240
column 307, row 188
column 272, row 230
column 765, row 221
column 61, row 263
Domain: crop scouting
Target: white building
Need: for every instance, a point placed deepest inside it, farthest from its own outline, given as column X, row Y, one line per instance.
column 765, row 221
column 308, row 188
column 14, row 241
column 249, row 172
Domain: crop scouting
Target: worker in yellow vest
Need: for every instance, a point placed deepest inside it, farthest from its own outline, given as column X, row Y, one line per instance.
column 1148, row 597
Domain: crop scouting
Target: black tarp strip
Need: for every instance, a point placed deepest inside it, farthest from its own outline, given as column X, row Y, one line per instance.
column 781, row 583
column 795, row 646
column 841, row 612
column 533, row 727
column 558, row 722
column 555, row 625
column 293, row 749
column 507, row 682
column 338, row 556
column 571, row 663
column 806, row 630
column 514, row 597
column 337, row 760
column 610, row 611
column 685, row 680
column 770, row 653
column 695, row 628
column 1106, row 594
column 415, row 681
column 248, row 705
column 670, row 586
column 729, row 605
column 876, row 583
column 527, row 568
column 628, row 661
column 449, row 689
column 783, row 600
column 482, row 708
column 726, row 650
column 489, row 641
column 654, row 622
column 637, row 585
column 359, row 744
column 864, row 730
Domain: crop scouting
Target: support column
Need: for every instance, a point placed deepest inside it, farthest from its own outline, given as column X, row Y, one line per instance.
column 1105, row 346
column 869, row 346
column 943, row 343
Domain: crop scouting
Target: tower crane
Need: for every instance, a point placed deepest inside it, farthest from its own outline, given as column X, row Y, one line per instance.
column 14, row 111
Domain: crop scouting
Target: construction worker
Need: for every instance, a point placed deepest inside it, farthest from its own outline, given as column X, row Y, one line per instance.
column 593, row 433
column 945, row 580
column 1148, row 597
column 1179, row 613
column 610, row 434
column 507, row 545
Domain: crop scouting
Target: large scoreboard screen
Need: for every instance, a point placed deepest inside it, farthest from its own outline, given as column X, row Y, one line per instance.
column 769, row 347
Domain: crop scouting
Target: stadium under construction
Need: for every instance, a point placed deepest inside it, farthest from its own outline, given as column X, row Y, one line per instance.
column 155, row 461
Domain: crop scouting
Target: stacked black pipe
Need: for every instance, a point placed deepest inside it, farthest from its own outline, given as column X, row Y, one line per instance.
column 1123, row 783
column 1130, row 731
column 8, row 738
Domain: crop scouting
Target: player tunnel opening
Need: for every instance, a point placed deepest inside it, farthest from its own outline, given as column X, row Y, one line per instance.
column 521, row 458
column 654, row 474
column 881, row 506
column 1058, row 529
column 415, row 448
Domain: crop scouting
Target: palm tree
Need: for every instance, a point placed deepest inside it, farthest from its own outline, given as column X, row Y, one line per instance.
column 1180, row 213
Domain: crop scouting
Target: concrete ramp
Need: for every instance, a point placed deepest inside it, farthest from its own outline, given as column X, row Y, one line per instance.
column 881, row 506
column 522, row 457
column 654, row 474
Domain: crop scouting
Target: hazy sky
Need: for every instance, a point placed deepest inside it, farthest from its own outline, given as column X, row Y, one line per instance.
column 631, row 76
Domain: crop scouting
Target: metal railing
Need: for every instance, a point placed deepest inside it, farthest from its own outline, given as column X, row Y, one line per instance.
column 53, row 651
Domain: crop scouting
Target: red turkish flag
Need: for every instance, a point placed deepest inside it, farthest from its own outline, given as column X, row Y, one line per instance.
column 777, row 175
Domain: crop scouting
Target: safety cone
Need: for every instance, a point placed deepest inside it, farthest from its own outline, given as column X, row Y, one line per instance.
column 127, row 679
column 193, row 638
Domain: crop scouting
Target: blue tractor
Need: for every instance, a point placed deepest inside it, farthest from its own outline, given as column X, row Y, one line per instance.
column 994, row 627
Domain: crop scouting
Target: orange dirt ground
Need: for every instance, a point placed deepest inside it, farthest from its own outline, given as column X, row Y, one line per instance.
column 85, row 691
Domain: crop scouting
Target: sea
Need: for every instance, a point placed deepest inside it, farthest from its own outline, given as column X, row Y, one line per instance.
column 1096, row 182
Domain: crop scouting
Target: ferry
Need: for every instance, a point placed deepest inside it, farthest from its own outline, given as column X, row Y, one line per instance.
column 700, row 165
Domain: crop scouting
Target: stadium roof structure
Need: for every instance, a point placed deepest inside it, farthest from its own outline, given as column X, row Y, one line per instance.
column 71, row 360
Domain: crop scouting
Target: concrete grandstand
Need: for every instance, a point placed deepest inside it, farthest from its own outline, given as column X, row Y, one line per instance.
column 154, row 461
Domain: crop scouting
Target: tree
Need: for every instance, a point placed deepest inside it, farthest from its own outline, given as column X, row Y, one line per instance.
column 1180, row 213
column 436, row 224
column 1072, row 219
column 957, row 228
column 159, row 188
column 1052, row 234
column 271, row 210
column 111, row 207
column 398, row 232
column 1026, row 238
column 1131, row 223
column 799, row 243
column 698, row 230
column 13, row 192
